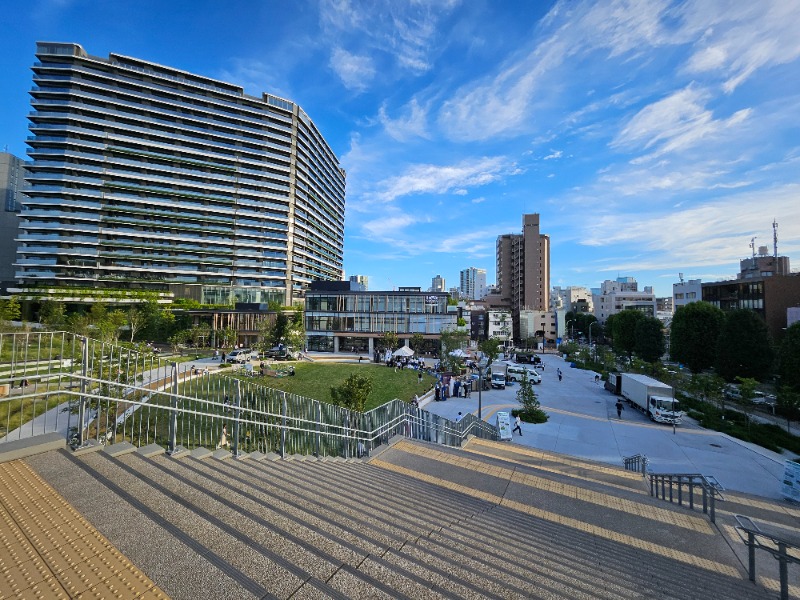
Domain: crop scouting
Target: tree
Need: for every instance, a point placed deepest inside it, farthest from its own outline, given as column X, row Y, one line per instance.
column 747, row 391
column 353, row 393
column 624, row 333
column 417, row 342
column 744, row 347
column 52, row 314
column 389, row 340
column 296, row 330
column 491, row 348
column 451, row 340
column 789, row 358
column 10, row 309
column 789, row 404
column 694, row 333
column 137, row 319
column 531, row 408
column 649, row 336
column 710, row 387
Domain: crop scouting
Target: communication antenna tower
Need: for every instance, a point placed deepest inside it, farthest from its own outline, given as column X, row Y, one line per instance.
column 680, row 276
column 753, row 247
column 775, row 236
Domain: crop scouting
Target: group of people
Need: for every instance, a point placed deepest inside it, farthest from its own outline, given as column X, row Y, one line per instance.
column 457, row 387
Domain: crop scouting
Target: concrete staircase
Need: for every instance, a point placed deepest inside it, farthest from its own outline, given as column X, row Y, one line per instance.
column 491, row 520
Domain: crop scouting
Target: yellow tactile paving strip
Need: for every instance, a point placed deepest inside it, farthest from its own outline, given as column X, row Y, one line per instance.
column 676, row 519
column 620, row 538
column 47, row 550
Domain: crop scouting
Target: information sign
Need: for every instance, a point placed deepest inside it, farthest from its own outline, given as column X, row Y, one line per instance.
column 791, row 481
column 504, row 425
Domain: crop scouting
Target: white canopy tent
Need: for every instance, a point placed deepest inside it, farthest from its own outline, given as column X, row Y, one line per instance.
column 403, row 351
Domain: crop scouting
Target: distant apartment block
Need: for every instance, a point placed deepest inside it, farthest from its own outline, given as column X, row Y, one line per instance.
column 500, row 325
column 539, row 325
column 686, row 292
column 147, row 177
column 438, row 284
column 572, row 299
column 12, row 175
column 523, row 266
column 361, row 280
column 764, row 284
column 472, row 283
column 622, row 294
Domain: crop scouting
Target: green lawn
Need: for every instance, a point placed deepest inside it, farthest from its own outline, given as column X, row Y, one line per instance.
column 314, row 380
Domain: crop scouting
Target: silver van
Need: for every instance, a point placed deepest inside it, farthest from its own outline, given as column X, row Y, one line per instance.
column 515, row 373
column 239, row 356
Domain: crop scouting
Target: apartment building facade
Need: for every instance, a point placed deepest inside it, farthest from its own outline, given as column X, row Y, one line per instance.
column 12, row 174
column 472, row 283
column 148, row 177
column 622, row 294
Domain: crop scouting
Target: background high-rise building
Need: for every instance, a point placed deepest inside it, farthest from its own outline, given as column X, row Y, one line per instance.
column 472, row 283
column 437, row 284
column 11, row 182
column 361, row 280
column 622, row 294
column 152, row 178
column 523, row 266
column 523, row 269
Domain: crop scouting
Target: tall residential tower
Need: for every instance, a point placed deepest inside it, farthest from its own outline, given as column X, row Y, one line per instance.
column 145, row 177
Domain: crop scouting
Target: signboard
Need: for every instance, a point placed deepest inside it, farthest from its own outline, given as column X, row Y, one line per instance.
column 791, row 481
column 504, row 425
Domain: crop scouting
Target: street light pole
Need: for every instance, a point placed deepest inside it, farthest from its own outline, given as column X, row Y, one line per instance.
column 566, row 327
column 590, row 337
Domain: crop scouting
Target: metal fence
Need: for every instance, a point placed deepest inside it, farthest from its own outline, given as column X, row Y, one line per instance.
column 95, row 392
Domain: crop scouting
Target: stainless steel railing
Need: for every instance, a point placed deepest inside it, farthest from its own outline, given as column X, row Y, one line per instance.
column 783, row 546
column 94, row 392
column 680, row 488
column 637, row 462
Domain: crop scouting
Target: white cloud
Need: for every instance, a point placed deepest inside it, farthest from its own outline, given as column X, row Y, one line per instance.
column 478, row 200
column 412, row 124
column 674, row 123
column 437, row 179
column 356, row 72
column 707, row 234
column 740, row 38
column 553, row 154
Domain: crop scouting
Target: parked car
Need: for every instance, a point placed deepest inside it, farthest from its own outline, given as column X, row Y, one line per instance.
column 515, row 373
column 281, row 353
column 240, row 356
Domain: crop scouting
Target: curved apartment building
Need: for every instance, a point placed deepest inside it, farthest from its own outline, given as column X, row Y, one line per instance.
column 145, row 177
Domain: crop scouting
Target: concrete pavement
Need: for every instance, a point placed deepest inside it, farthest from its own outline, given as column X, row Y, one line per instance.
column 583, row 422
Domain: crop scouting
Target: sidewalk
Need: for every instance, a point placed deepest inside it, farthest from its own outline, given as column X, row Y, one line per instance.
column 583, row 422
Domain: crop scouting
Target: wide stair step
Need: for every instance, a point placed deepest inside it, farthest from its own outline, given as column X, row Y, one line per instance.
column 417, row 521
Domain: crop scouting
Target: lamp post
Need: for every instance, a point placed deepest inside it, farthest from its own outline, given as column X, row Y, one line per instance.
column 590, row 336
column 566, row 327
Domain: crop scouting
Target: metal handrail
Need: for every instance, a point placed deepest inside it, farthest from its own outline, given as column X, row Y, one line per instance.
column 711, row 489
column 109, row 393
column 755, row 538
column 637, row 462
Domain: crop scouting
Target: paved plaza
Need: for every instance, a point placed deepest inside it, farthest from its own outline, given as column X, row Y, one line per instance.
column 583, row 422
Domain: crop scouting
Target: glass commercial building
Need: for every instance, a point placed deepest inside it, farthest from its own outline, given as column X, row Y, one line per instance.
column 340, row 319
column 145, row 177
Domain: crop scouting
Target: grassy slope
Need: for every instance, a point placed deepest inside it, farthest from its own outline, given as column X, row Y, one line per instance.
column 314, row 380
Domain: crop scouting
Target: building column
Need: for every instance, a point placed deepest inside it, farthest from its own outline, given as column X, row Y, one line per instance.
column 335, row 344
column 371, row 347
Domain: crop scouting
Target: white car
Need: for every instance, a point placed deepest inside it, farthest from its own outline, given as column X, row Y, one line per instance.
column 515, row 373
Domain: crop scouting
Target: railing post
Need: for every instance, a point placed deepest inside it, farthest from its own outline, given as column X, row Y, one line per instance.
column 705, row 499
column 712, row 513
column 173, row 418
column 82, row 405
column 237, row 413
column 691, row 493
column 783, row 570
column 680, row 490
column 751, row 555
column 319, row 427
column 284, row 410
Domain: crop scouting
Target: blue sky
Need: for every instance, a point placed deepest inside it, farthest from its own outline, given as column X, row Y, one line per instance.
column 653, row 137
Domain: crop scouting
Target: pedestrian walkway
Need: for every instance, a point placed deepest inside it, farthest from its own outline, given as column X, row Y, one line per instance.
column 583, row 422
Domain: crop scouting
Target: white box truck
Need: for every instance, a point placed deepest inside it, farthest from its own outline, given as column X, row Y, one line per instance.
column 652, row 397
column 498, row 377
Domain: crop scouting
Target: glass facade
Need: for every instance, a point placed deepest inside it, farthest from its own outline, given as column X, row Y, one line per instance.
column 146, row 176
column 371, row 314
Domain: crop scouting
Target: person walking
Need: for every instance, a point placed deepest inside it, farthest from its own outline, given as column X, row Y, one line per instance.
column 517, row 426
column 620, row 408
column 459, row 417
column 560, row 375
column 223, row 439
